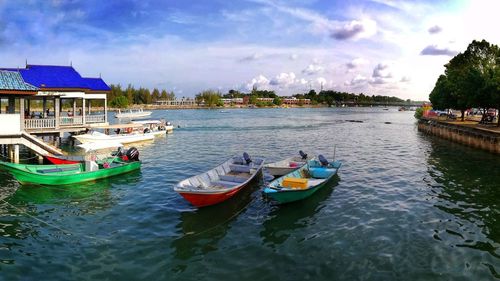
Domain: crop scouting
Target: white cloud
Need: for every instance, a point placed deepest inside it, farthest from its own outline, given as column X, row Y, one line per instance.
column 313, row 69
column 260, row 82
column 354, row 30
column 283, row 80
column 355, row 63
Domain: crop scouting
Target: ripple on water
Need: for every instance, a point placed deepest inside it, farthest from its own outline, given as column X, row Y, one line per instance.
column 404, row 207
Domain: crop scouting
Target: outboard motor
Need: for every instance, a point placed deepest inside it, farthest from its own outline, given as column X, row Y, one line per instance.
column 146, row 130
column 323, row 160
column 132, row 154
column 247, row 158
column 302, row 154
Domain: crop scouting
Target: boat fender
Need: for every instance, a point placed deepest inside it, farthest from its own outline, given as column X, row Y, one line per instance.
column 247, row 158
column 132, row 154
column 147, row 130
column 128, row 130
column 105, row 165
column 323, row 160
column 302, row 154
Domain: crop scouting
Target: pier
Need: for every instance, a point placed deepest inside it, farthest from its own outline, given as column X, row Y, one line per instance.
column 47, row 101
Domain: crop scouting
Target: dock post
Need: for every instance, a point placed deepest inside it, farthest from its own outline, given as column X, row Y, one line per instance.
column 40, row 159
column 16, row 153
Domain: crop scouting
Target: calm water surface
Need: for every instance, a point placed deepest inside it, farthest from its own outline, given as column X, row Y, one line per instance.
column 405, row 206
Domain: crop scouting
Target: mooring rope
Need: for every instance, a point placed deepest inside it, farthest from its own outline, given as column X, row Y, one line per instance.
column 23, row 159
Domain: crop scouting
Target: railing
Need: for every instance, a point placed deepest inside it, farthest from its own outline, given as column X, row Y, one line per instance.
column 39, row 123
column 70, row 120
column 94, row 118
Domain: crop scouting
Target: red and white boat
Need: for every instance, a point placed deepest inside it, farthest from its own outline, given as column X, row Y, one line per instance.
column 222, row 182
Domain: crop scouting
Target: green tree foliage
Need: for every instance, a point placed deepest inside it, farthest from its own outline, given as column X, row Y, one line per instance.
column 470, row 80
column 277, row 101
column 136, row 96
column 119, row 102
column 155, row 95
column 209, row 97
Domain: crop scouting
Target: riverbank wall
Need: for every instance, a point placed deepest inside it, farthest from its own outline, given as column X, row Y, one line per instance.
column 480, row 138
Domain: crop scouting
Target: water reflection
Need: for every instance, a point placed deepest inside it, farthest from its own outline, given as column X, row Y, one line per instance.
column 201, row 229
column 465, row 185
column 284, row 219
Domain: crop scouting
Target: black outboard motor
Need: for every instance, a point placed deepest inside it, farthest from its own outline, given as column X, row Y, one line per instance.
column 247, row 158
column 132, row 154
column 146, row 130
column 302, row 154
column 323, row 160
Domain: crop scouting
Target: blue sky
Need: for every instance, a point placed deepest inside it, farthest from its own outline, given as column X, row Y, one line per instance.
column 376, row 46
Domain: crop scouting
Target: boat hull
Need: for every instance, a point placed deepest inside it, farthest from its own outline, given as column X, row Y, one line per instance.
column 280, row 171
column 205, row 199
column 26, row 177
column 295, row 195
column 121, row 139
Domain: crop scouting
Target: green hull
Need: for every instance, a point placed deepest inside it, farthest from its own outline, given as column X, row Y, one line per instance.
column 295, row 195
column 65, row 174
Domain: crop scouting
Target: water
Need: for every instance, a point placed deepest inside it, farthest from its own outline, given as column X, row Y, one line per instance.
column 406, row 206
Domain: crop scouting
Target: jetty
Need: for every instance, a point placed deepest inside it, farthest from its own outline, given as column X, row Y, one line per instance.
column 47, row 101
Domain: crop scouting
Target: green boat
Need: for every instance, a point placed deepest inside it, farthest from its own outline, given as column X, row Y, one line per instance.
column 70, row 173
column 307, row 180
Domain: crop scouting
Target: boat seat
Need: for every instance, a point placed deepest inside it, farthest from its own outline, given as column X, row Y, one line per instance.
column 224, row 183
column 57, row 170
column 239, row 168
column 314, row 182
column 232, row 178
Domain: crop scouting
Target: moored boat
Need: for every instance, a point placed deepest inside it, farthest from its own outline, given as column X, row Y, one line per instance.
column 222, row 182
column 124, row 133
column 303, row 182
column 288, row 165
column 74, row 173
column 156, row 127
column 139, row 113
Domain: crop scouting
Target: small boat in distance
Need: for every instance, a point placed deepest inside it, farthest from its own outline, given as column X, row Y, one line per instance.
column 74, row 173
column 222, row 182
column 156, row 127
column 303, row 182
column 138, row 113
column 288, row 165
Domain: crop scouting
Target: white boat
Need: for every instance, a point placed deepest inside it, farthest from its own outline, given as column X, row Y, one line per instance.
column 95, row 136
column 287, row 165
column 156, row 127
column 139, row 113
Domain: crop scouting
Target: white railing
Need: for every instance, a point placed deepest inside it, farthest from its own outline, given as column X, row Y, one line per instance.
column 39, row 123
column 70, row 120
column 94, row 118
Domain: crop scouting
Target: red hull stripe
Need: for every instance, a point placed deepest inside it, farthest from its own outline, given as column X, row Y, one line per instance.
column 57, row 161
column 204, row 199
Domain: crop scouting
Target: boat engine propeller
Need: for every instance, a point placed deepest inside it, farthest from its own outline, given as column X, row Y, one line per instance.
column 323, row 160
column 302, row 154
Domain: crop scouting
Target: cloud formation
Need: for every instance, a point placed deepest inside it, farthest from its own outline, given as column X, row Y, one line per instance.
column 313, row 69
column 434, row 50
column 354, row 30
column 435, row 29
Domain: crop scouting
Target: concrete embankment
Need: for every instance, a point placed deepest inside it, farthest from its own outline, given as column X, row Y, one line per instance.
column 469, row 135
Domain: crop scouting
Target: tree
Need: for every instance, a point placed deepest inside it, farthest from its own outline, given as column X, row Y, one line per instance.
column 278, row 101
column 119, row 102
column 163, row 95
column 155, row 96
column 209, row 97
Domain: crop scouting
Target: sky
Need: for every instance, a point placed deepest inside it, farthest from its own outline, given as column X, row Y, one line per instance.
column 375, row 47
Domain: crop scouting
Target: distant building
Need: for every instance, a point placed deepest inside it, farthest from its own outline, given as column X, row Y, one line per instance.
column 295, row 101
column 188, row 102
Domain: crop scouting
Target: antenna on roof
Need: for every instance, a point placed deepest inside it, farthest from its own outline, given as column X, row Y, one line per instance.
column 26, row 64
column 71, row 63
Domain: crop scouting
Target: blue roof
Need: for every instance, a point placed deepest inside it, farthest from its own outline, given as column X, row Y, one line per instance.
column 12, row 80
column 97, row 84
column 66, row 77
